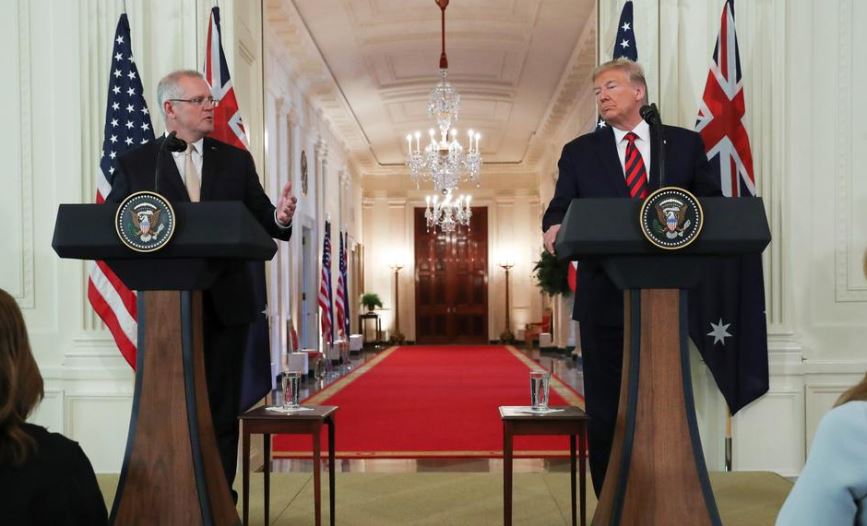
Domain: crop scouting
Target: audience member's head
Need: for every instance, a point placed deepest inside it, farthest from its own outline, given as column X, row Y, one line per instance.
column 856, row 392
column 20, row 383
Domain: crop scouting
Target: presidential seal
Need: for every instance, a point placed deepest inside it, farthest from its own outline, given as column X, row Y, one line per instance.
column 145, row 221
column 671, row 218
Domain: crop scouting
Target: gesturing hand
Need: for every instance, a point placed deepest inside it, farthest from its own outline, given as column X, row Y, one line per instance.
column 286, row 205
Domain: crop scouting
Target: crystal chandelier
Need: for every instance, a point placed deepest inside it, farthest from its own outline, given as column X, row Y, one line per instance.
column 444, row 161
column 449, row 213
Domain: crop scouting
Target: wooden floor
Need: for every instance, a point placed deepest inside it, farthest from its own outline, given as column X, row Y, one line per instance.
column 563, row 365
column 462, row 499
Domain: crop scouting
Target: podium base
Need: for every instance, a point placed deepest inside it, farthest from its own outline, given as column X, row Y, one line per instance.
column 656, row 472
column 172, row 473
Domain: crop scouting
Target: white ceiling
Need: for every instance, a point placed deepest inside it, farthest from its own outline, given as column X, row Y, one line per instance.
column 369, row 65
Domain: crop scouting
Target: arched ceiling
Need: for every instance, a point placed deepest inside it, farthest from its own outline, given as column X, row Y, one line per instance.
column 369, row 66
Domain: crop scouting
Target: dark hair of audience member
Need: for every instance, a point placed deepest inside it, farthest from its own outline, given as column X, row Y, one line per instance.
column 858, row 392
column 20, row 383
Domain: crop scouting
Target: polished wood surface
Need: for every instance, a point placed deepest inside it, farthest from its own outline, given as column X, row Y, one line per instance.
column 451, row 282
column 262, row 421
column 171, row 458
column 656, row 474
column 567, row 420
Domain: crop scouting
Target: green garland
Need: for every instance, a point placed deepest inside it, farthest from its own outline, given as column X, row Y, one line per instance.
column 551, row 275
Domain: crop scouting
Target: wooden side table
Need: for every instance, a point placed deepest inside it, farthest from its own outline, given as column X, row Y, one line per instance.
column 568, row 420
column 265, row 422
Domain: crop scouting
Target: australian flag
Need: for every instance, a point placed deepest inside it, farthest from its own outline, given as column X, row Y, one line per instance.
column 727, row 311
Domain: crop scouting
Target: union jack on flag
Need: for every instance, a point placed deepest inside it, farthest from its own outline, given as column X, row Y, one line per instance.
column 228, row 126
column 127, row 125
column 720, row 116
column 326, row 304
column 342, row 318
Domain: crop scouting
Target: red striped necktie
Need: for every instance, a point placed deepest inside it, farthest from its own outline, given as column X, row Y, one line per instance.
column 636, row 174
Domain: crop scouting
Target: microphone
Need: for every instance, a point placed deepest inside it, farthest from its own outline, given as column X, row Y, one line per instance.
column 173, row 144
column 650, row 113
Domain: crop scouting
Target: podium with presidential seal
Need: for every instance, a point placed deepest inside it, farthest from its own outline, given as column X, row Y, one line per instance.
column 654, row 250
column 171, row 469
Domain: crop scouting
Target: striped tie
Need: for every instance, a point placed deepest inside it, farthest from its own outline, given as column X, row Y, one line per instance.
column 636, row 175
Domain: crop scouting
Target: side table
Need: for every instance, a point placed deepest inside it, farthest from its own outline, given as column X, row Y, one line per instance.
column 262, row 421
column 361, row 326
column 564, row 420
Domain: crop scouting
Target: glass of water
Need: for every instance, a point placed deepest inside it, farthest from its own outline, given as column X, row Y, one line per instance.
column 539, row 384
column 291, row 384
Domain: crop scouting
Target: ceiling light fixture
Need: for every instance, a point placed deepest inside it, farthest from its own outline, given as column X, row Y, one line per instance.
column 444, row 161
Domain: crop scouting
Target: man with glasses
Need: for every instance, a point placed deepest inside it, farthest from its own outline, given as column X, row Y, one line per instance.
column 209, row 170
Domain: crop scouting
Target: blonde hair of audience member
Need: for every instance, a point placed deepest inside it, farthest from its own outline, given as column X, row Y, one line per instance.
column 20, row 383
column 857, row 392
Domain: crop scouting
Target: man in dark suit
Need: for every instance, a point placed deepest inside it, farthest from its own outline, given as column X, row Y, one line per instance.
column 209, row 171
column 613, row 161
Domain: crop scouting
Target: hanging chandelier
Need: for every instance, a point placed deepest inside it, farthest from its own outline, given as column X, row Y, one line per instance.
column 444, row 161
column 449, row 213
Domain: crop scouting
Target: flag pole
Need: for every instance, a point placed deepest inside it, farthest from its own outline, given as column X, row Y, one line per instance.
column 728, row 440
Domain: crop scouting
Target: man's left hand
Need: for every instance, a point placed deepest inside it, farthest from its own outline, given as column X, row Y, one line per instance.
column 286, row 205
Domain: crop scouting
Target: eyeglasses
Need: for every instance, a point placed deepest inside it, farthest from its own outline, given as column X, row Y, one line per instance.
column 200, row 101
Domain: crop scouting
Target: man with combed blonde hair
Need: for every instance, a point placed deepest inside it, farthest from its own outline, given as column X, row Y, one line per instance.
column 616, row 160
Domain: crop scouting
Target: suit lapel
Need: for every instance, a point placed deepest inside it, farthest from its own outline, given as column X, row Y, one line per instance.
column 607, row 152
column 210, row 168
column 654, row 158
column 171, row 184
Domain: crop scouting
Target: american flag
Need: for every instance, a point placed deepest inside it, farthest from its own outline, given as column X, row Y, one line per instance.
column 228, row 126
column 624, row 43
column 343, row 270
column 127, row 124
column 727, row 311
column 326, row 305
column 341, row 290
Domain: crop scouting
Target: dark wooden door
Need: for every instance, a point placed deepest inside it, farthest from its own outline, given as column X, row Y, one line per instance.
column 451, row 282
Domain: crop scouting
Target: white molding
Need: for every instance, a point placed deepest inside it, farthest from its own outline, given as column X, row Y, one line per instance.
column 845, row 292
column 27, row 299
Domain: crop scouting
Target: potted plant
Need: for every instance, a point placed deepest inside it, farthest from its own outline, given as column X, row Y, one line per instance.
column 551, row 275
column 371, row 300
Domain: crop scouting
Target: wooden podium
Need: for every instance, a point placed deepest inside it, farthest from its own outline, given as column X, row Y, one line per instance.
column 172, row 473
column 656, row 473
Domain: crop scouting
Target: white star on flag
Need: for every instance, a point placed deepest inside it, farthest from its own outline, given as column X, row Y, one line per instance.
column 625, row 43
column 625, row 26
column 719, row 332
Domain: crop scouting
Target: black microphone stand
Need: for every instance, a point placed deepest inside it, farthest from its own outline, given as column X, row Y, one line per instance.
column 172, row 144
column 650, row 113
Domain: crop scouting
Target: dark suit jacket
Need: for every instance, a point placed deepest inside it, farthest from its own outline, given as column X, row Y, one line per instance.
column 228, row 174
column 589, row 167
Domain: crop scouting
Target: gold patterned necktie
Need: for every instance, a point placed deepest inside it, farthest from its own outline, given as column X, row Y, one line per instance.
column 191, row 176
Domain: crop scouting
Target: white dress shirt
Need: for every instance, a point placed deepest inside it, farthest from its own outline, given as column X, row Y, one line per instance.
column 642, row 143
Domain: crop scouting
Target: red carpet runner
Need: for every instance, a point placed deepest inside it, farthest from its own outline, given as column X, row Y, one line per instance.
column 432, row 401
